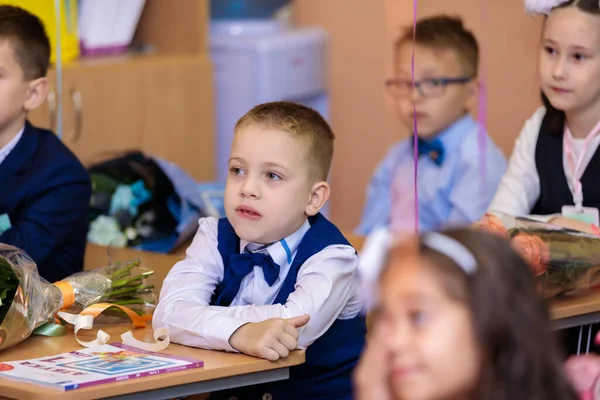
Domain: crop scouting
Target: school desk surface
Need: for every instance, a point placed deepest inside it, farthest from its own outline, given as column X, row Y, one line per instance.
column 221, row 370
column 576, row 310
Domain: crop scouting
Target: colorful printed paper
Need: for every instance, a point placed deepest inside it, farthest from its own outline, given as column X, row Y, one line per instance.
column 95, row 365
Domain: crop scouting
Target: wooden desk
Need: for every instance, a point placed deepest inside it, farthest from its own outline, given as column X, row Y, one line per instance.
column 576, row 310
column 221, row 371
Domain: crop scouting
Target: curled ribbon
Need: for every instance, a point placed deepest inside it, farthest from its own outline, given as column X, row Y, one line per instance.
column 85, row 320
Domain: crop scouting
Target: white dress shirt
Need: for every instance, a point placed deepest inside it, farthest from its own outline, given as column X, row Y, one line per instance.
column 8, row 147
column 326, row 289
column 519, row 189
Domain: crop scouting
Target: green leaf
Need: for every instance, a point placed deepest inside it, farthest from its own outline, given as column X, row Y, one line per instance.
column 9, row 282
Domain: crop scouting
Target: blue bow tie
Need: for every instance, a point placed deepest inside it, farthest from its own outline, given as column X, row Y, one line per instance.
column 242, row 264
column 434, row 149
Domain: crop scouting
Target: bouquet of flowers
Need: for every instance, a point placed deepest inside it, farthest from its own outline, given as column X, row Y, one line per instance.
column 147, row 203
column 27, row 301
column 563, row 260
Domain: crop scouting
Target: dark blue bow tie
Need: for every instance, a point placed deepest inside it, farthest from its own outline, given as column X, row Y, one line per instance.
column 242, row 264
column 434, row 149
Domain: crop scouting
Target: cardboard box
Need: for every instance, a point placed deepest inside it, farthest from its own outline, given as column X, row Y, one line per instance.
column 175, row 26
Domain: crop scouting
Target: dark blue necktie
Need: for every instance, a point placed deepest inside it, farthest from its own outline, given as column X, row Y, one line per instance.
column 241, row 265
column 434, row 149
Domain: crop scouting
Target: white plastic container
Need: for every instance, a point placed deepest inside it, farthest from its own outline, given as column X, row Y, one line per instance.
column 257, row 62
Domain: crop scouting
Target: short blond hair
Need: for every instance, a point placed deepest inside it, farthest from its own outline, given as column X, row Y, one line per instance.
column 299, row 120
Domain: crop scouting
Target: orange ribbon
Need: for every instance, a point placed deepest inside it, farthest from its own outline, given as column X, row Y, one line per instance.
column 68, row 294
column 139, row 321
column 96, row 309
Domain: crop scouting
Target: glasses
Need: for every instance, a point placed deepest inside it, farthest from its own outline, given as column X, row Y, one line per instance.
column 432, row 87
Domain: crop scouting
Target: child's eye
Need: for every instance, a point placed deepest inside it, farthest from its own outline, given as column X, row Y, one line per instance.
column 418, row 318
column 579, row 56
column 236, row 171
column 273, row 176
column 549, row 50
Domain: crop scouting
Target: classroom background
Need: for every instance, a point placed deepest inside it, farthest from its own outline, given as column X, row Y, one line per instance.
column 170, row 78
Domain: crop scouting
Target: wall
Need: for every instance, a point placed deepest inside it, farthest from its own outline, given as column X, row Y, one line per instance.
column 361, row 34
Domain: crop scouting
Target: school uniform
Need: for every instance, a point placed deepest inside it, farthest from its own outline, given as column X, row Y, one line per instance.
column 535, row 187
column 453, row 189
column 225, row 282
column 534, row 184
column 44, row 202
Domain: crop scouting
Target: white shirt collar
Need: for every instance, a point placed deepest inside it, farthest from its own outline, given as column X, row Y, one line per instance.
column 284, row 250
column 5, row 151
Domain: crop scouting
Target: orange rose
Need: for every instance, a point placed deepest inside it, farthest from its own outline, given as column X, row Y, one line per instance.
column 533, row 250
column 492, row 224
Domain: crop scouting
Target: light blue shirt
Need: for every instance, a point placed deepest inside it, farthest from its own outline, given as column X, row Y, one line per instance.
column 454, row 193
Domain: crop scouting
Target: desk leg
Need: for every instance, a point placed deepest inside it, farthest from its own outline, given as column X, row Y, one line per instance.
column 209, row 386
column 587, row 350
column 579, row 340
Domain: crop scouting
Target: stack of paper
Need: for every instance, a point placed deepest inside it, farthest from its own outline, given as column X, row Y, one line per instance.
column 108, row 26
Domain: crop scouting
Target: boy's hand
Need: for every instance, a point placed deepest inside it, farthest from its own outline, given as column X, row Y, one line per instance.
column 271, row 339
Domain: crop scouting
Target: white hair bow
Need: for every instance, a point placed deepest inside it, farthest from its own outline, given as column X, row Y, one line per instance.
column 542, row 6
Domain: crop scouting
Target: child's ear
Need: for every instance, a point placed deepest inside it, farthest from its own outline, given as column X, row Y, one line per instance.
column 473, row 88
column 317, row 198
column 38, row 90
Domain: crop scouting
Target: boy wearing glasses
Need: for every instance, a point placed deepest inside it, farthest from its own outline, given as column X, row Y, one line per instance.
column 451, row 187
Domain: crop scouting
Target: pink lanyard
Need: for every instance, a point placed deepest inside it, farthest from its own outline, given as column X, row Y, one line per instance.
column 577, row 166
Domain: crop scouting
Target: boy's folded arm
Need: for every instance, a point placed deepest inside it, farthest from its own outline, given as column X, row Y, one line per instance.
column 49, row 218
column 192, row 324
column 325, row 285
column 186, row 293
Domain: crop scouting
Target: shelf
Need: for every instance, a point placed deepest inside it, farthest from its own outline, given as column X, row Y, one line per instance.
column 128, row 60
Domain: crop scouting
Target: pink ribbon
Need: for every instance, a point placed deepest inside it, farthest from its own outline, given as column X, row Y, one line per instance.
column 481, row 105
column 415, row 132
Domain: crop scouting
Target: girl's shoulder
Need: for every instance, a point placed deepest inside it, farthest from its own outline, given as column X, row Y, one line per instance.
column 531, row 128
column 537, row 116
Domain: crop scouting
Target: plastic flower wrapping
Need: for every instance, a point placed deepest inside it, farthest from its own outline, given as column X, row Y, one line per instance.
column 563, row 260
column 28, row 302
column 148, row 203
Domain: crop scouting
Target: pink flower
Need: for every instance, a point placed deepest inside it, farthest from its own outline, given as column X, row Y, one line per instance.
column 492, row 224
column 533, row 250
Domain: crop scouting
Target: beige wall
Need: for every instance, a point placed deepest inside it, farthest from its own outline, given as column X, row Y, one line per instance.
column 361, row 34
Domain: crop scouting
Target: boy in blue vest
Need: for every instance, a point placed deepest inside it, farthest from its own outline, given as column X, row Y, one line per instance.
column 274, row 275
